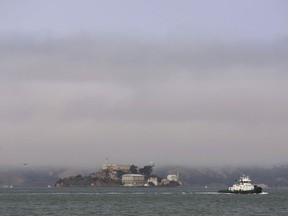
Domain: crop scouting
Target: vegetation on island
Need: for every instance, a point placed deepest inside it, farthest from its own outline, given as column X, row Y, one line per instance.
column 100, row 178
column 104, row 177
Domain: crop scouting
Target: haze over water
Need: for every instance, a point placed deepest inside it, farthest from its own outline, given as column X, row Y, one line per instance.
column 197, row 83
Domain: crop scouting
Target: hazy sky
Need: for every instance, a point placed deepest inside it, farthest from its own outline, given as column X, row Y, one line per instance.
column 175, row 82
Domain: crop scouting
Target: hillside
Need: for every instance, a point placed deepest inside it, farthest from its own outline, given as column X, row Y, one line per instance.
column 35, row 176
column 274, row 177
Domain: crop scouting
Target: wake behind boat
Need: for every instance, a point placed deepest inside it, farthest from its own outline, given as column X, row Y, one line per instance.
column 243, row 186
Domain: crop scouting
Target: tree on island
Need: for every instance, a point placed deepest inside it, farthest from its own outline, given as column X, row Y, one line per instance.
column 146, row 171
column 120, row 173
column 133, row 169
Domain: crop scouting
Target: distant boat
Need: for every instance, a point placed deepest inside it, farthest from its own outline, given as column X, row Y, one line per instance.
column 243, row 186
column 6, row 186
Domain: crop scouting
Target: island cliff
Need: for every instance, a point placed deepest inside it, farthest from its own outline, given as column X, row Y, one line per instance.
column 100, row 178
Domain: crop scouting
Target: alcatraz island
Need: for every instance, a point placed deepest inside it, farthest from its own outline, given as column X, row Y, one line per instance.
column 121, row 175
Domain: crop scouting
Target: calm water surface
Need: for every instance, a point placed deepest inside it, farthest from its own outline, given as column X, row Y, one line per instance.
column 138, row 201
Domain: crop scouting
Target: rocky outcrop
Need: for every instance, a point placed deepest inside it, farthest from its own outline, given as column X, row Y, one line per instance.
column 167, row 183
column 100, row 178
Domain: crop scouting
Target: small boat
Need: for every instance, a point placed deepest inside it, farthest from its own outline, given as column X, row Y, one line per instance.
column 243, row 186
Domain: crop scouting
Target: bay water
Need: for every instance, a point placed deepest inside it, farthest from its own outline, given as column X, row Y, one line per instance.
column 138, row 201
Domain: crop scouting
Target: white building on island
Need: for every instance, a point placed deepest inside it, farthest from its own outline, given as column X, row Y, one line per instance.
column 133, row 180
column 172, row 178
column 114, row 167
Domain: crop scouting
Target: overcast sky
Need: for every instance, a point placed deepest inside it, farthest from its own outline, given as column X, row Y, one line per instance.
column 175, row 82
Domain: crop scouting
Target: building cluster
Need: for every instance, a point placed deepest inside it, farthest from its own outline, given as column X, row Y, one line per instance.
column 115, row 167
column 131, row 180
column 141, row 179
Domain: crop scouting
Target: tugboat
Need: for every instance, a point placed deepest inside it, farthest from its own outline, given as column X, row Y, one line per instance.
column 243, row 186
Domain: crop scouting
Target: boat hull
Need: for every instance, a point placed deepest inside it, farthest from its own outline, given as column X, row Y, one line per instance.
column 256, row 190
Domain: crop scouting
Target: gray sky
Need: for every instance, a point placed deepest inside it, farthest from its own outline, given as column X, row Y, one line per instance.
column 174, row 82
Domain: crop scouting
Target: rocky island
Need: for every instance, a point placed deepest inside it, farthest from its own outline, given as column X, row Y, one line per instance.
column 120, row 175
